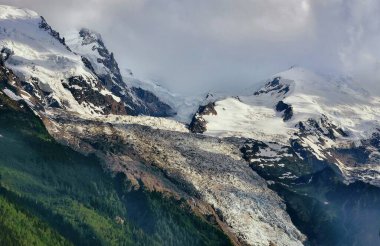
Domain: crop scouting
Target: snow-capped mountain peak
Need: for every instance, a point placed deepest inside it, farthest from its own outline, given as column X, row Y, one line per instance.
column 51, row 74
column 312, row 95
column 10, row 12
column 90, row 46
column 86, row 42
column 77, row 73
column 321, row 114
column 90, row 37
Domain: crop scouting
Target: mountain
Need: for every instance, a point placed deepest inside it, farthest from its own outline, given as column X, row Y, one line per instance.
column 334, row 120
column 315, row 140
column 160, row 184
column 85, row 159
column 146, row 152
column 95, row 55
column 184, row 106
column 53, row 195
column 53, row 76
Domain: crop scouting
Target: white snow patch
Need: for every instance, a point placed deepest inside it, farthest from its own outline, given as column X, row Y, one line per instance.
column 12, row 95
column 237, row 118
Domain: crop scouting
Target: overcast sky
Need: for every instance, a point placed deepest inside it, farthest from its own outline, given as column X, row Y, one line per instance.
column 196, row 45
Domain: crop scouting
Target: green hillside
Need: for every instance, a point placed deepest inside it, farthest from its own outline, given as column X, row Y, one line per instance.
column 52, row 195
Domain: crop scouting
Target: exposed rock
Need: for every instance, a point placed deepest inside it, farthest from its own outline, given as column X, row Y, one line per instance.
column 102, row 62
column 286, row 109
column 106, row 58
column 84, row 93
column 198, row 124
column 151, row 104
column 5, row 53
column 322, row 126
column 44, row 25
column 205, row 171
column 274, row 86
column 88, row 64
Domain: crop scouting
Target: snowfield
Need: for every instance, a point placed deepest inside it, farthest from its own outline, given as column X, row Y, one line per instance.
column 355, row 110
column 325, row 114
column 236, row 118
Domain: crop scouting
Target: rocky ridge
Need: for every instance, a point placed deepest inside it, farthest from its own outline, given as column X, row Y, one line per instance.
column 138, row 101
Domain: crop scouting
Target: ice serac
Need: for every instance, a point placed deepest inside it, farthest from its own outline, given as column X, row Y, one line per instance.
column 209, row 173
column 90, row 46
column 333, row 119
column 50, row 74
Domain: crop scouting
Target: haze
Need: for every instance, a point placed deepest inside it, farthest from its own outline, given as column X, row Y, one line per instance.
column 195, row 45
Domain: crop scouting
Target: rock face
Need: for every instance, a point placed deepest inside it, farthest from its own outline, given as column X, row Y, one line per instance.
column 44, row 25
column 5, row 53
column 101, row 61
column 274, row 85
column 110, row 75
column 77, row 86
column 286, row 109
column 198, row 124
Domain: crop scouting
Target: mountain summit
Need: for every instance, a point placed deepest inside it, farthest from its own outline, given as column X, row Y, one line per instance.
column 90, row 46
column 87, row 81
column 324, row 116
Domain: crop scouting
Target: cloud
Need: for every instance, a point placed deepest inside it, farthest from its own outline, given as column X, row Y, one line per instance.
column 196, row 45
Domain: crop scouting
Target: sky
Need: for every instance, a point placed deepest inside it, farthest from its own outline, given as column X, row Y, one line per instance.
column 192, row 46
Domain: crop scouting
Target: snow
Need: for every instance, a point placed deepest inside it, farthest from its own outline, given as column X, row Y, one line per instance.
column 315, row 148
column 37, row 54
column 311, row 96
column 106, row 92
column 342, row 101
column 9, row 12
column 89, row 47
column 153, row 122
column 162, row 93
column 75, row 42
column 288, row 175
column 237, row 118
column 235, row 189
column 185, row 106
column 333, row 103
column 12, row 95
